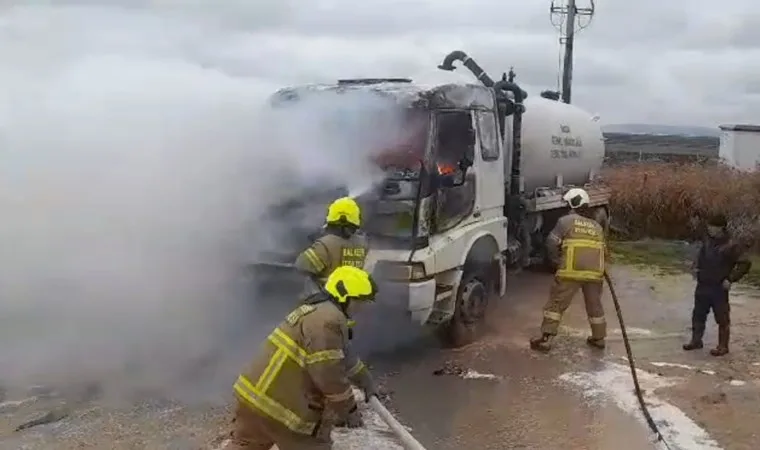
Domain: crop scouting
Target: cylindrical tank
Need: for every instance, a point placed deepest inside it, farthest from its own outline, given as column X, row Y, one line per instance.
column 558, row 139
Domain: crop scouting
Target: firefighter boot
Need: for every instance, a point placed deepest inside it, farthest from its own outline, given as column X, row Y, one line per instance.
column 596, row 343
column 697, row 331
column 724, row 334
column 543, row 343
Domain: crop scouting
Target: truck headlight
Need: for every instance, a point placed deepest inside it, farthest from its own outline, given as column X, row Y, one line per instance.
column 417, row 271
column 397, row 271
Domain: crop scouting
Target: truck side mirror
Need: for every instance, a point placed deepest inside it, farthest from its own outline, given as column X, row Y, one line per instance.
column 465, row 163
column 468, row 159
column 458, row 178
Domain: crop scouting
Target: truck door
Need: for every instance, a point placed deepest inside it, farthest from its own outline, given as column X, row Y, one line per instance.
column 490, row 166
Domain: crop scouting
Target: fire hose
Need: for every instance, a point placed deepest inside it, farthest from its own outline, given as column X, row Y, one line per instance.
column 636, row 387
column 407, row 440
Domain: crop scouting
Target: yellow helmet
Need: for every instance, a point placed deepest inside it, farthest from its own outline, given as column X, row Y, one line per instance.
column 344, row 210
column 351, row 283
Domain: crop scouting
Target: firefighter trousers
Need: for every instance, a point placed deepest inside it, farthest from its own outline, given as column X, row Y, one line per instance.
column 253, row 431
column 560, row 297
column 709, row 297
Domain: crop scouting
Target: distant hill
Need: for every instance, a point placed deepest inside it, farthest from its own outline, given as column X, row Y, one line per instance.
column 636, row 128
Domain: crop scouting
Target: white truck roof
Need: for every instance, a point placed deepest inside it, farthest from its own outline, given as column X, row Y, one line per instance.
column 404, row 91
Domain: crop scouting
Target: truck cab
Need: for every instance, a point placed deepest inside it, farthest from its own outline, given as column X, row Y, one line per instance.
column 437, row 216
column 452, row 212
column 461, row 231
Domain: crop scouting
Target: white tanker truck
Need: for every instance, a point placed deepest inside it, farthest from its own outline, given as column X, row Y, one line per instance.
column 448, row 241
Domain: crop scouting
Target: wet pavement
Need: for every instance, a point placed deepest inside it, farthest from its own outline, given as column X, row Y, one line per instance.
column 497, row 393
column 526, row 406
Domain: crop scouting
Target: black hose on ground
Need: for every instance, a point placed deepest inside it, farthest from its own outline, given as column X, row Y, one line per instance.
column 637, row 388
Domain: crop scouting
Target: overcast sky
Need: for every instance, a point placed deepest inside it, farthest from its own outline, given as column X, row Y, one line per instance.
column 646, row 61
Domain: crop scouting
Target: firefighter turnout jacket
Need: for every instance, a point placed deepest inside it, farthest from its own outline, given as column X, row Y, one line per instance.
column 358, row 372
column 331, row 251
column 302, row 370
column 577, row 246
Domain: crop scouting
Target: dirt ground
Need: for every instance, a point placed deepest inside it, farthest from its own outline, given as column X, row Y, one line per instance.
column 722, row 395
column 498, row 393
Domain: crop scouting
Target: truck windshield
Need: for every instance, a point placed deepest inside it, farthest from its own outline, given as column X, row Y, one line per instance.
column 394, row 136
column 389, row 209
column 390, row 206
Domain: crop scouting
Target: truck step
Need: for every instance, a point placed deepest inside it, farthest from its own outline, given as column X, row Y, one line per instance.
column 444, row 294
column 444, row 304
column 438, row 317
column 443, row 288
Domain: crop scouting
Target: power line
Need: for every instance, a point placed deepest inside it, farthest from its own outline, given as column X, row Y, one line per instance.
column 568, row 19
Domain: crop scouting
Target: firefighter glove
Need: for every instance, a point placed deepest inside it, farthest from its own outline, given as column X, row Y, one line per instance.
column 370, row 392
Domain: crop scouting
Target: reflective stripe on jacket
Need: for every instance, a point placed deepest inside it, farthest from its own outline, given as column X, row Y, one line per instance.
column 301, row 368
column 327, row 254
column 580, row 243
column 331, row 251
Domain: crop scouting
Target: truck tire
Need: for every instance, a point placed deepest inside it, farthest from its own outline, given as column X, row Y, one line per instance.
column 472, row 301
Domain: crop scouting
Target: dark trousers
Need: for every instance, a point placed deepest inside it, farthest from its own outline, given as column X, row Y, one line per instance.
column 706, row 298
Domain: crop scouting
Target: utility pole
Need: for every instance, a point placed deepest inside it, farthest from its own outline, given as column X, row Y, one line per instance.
column 567, row 16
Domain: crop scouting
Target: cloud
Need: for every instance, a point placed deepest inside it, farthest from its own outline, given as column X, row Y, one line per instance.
column 629, row 63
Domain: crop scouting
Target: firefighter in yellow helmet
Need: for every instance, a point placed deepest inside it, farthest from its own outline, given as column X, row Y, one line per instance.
column 298, row 389
column 339, row 245
column 577, row 246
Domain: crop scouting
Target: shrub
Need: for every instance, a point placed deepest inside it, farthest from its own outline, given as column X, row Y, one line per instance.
column 669, row 200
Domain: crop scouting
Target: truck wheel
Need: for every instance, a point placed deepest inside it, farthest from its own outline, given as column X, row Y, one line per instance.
column 471, row 304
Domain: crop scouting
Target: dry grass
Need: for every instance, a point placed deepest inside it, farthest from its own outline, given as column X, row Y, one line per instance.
column 667, row 200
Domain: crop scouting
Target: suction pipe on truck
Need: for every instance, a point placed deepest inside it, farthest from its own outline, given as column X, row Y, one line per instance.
column 480, row 74
column 459, row 55
column 519, row 94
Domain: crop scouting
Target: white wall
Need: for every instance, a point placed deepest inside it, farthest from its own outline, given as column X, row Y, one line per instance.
column 740, row 149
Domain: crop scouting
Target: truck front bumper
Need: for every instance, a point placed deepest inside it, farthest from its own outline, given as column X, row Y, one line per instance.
column 416, row 298
column 421, row 300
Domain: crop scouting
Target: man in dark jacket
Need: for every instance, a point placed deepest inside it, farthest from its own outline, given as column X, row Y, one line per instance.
column 721, row 261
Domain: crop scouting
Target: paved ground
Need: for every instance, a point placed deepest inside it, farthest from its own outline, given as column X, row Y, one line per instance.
column 496, row 394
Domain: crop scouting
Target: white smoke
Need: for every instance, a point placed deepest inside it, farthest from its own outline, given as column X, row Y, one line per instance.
column 133, row 167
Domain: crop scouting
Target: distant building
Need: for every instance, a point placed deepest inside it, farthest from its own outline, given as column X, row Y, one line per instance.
column 740, row 146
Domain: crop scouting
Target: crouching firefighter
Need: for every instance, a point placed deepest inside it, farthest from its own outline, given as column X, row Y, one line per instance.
column 339, row 245
column 720, row 262
column 298, row 389
column 577, row 247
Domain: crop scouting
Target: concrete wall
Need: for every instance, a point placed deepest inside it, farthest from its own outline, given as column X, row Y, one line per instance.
column 740, row 148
